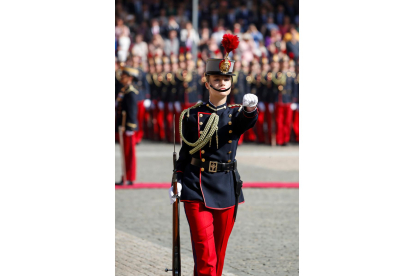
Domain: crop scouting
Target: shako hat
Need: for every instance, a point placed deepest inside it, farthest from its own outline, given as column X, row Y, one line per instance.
column 224, row 66
column 133, row 72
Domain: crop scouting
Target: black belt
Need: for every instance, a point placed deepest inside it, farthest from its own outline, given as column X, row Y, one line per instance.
column 213, row 166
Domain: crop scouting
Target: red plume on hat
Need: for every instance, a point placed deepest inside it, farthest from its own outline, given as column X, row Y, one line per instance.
column 230, row 42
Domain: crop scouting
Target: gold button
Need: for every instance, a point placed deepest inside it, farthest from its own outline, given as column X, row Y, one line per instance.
column 230, row 115
column 201, row 115
column 229, row 161
column 225, row 107
column 230, row 141
column 207, row 105
column 229, row 152
column 202, row 152
column 203, row 160
column 201, row 123
column 230, row 131
column 202, row 169
column 230, row 123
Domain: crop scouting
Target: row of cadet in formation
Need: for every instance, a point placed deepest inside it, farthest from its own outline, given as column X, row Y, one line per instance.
column 174, row 84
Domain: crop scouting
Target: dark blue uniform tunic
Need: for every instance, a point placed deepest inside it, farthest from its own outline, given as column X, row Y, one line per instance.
column 216, row 190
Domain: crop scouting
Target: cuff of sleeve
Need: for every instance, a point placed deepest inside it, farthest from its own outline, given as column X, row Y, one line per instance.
column 249, row 111
column 250, row 114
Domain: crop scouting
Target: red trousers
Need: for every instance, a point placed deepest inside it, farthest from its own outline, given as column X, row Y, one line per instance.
column 155, row 125
column 269, row 123
column 283, row 123
column 129, row 153
column 296, row 124
column 160, row 122
column 259, row 127
column 169, row 112
column 210, row 230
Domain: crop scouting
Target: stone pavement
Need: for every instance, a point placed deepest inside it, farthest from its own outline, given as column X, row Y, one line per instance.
column 265, row 238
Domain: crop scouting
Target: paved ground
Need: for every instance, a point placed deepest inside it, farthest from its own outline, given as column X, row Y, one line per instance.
column 265, row 238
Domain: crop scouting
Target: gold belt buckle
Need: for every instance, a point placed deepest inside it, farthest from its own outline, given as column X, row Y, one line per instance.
column 212, row 167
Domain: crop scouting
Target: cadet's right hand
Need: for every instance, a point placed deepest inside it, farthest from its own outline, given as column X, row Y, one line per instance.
column 171, row 192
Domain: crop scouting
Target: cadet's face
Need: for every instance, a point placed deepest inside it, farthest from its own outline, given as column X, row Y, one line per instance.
column 221, row 83
column 125, row 79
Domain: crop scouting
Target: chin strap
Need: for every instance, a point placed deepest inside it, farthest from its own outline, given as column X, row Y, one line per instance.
column 224, row 89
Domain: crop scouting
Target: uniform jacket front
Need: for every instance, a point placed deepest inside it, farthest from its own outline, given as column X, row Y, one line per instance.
column 128, row 103
column 216, row 190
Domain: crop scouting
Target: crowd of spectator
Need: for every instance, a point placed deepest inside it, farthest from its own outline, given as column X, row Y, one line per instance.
column 146, row 29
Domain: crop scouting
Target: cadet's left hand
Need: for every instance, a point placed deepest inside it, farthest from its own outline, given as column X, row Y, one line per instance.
column 250, row 100
column 129, row 132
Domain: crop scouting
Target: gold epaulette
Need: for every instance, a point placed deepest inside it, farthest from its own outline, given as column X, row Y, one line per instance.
column 264, row 80
column 280, row 79
column 178, row 74
column 236, row 77
column 234, row 105
column 191, row 107
column 118, row 74
column 131, row 88
column 149, row 79
column 164, row 78
column 189, row 76
column 155, row 79
column 172, row 78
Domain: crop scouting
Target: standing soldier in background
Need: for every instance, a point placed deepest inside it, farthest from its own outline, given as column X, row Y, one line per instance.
column 238, row 87
column 127, row 101
column 179, row 97
column 266, row 90
column 158, row 123
column 118, row 84
column 260, row 83
column 191, row 95
column 142, row 86
column 149, row 107
column 250, row 134
column 176, row 71
column 272, row 96
column 201, row 79
column 296, row 100
column 168, row 98
column 284, row 110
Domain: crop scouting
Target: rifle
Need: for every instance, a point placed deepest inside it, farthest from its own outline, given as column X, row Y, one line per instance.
column 176, row 255
column 121, row 144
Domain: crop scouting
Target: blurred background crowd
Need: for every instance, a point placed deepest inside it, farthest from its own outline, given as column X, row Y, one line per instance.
column 159, row 40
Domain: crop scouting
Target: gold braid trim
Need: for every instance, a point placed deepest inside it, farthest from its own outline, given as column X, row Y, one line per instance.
column 211, row 127
column 231, row 105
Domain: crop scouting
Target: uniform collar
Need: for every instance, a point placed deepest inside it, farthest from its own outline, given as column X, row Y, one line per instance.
column 216, row 107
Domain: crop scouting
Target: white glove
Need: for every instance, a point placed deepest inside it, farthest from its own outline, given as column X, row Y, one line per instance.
column 250, row 100
column 129, row 132
column 177, row 106
column 262, row 107
column 294, row 106
column 171, row 192
column 160, row 105
column 147, row 103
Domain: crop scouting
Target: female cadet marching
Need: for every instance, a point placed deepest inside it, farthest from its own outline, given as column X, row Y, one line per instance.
column 208, row 181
